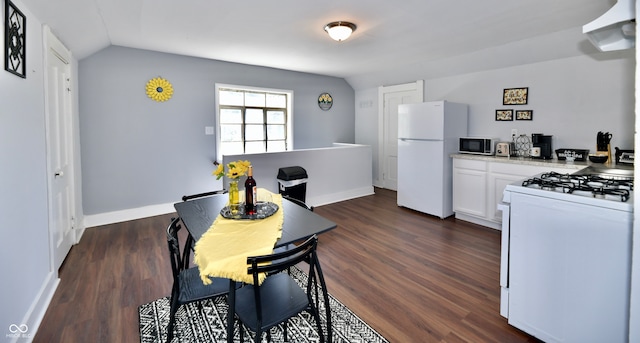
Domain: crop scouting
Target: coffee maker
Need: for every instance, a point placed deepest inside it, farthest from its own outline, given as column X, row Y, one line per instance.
column 543, row 142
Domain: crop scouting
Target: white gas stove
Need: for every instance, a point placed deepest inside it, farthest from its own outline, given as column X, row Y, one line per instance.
column 566, row 255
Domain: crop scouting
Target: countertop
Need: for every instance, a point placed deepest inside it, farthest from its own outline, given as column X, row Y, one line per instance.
column 525, row 161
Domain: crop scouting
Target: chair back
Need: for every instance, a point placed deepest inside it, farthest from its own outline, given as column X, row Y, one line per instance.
column 298, row 202
column 177, row 258
column 202, row 195
column 280, row 261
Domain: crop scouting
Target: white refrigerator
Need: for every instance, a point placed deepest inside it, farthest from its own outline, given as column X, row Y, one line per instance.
column 428, row 133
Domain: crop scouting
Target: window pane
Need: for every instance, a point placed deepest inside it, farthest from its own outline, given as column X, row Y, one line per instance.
column 230, row 116
column 276, row 100
column 231, row 148
column 276, row 146
column 230, row 97
column 276, row 117
column 254, row 99
column 254, row 132
column 254, row 116
column 275, row 132
column 231, row 133
column 254, row 147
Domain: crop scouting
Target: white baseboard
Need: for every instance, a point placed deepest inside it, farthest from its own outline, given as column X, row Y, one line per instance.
column 341, row 196
column 479, row 221
column 126, row 215
column 36, row 312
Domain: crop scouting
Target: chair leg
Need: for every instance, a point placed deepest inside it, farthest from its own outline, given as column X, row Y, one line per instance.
column 284, row 330
column 172, row 316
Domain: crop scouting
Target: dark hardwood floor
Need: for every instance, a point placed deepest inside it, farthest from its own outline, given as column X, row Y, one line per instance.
column 412, row 277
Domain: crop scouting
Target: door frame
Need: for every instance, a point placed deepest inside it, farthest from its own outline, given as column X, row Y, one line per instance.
column 418, row 88
column 51, row 42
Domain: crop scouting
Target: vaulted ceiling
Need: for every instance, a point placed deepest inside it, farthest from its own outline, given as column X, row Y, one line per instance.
column 393, row 40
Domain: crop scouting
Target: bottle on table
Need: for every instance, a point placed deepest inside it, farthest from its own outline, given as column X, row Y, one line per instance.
column 251, row 193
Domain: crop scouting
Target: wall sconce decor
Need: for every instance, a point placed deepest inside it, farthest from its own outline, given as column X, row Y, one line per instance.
column 15, row 35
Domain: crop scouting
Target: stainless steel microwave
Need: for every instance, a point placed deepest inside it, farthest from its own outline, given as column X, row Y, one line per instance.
column 477, row 145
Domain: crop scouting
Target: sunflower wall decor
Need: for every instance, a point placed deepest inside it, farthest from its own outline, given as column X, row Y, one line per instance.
column 159, row 89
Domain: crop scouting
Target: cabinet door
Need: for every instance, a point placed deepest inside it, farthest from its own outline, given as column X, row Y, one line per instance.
column 497, row 184
column 470, row 192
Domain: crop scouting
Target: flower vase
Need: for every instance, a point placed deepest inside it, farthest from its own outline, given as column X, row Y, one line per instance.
column 234, row 197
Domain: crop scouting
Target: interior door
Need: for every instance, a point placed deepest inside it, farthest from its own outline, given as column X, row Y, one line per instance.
column 391, row 98
column 60, row 147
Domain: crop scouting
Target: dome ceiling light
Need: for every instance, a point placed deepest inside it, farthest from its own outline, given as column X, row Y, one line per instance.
column 340, row 30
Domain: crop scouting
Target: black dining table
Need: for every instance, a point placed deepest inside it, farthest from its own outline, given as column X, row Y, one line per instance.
column 299, row 223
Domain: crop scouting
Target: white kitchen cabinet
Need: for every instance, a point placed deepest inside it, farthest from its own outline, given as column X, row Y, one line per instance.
column 478, row 184
column 470, row 187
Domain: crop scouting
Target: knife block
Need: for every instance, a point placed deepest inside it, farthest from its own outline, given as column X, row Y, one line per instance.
column 606, row 152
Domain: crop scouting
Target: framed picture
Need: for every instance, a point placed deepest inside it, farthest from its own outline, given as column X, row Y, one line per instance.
column 15, row 27
column 515, row 96
column 524, row 115
column 504, row 115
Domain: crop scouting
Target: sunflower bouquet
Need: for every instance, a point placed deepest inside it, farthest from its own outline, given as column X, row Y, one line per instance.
column 235, row 170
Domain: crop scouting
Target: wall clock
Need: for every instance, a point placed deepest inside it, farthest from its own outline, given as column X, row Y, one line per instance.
column 325, row 101
column 159, row 89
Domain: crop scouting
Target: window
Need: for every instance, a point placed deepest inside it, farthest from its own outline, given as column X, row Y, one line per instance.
column 252, row 120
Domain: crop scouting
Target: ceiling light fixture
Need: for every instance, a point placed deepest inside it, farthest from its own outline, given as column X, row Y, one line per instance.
column 340, row 30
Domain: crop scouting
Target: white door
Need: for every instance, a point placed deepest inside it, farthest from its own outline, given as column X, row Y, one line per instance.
column 60, row 148
column 390, row 98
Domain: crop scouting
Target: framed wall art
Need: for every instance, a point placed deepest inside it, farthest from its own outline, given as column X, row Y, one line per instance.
column 515, row 96
column 325, row 101
column 524, row 115
column 15, row 35
column 504, row 115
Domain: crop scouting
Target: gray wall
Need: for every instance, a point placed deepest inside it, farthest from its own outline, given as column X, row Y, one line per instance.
column 25, row 255
column 572, row 99
column 137, row 152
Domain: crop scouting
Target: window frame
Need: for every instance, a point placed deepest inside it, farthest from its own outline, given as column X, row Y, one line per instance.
column 288, row 111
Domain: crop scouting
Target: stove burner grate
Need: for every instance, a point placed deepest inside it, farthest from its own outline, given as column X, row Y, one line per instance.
column 594, row 185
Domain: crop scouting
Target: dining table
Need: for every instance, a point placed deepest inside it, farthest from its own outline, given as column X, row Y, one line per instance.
column 198, row 216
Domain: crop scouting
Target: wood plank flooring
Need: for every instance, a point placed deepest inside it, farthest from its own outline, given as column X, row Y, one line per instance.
column 412, row 277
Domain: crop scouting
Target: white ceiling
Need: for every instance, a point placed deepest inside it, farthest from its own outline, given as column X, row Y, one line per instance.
column 394, row 39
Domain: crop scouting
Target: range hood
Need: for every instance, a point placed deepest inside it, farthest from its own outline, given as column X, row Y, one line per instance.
column 614, row 30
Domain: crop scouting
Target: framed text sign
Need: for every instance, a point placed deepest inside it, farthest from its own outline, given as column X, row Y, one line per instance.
column 515, row 96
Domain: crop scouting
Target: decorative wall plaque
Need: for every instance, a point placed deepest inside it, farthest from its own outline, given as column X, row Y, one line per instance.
column 515, row 96
column 15, row 28
column 325, row 101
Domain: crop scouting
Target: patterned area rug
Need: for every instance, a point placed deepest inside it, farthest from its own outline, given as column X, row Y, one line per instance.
column 207, row 323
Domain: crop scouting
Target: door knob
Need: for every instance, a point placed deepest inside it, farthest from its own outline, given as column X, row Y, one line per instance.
column 59, row 174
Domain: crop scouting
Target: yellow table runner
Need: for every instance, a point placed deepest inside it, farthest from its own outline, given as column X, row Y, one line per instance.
column 223, row 250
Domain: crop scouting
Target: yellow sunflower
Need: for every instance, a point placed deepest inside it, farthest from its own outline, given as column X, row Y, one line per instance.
column 159, row 89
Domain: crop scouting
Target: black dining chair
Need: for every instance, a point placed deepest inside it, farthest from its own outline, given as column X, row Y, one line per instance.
column 298, row 202
column 202, row 195
column 187, row 284
column 301, row 204
column 262, row 306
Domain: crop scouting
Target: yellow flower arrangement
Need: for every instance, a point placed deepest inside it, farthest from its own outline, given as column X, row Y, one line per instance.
column 159, row 89
column 235, row 170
